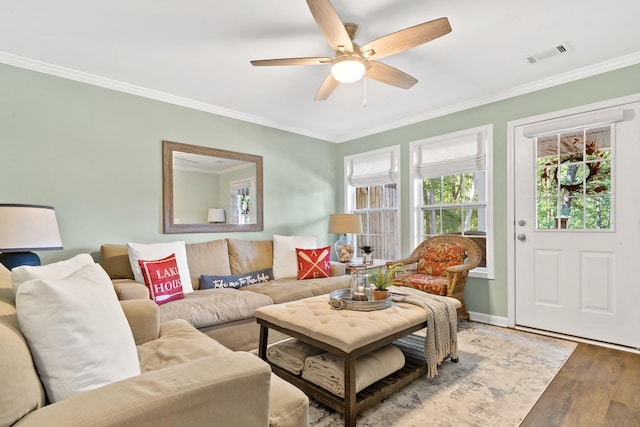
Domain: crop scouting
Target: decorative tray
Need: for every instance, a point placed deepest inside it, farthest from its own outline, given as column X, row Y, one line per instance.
column 340, row 300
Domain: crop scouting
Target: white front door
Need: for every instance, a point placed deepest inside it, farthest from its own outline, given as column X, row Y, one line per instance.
column 577, row 225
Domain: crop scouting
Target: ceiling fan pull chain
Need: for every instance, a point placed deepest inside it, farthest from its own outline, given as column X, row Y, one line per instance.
column 364, row 103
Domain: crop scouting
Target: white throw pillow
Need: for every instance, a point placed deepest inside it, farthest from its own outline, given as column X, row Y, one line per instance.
column 77, row 332
column 56, row 270
column 156, row 251
column 285, row 260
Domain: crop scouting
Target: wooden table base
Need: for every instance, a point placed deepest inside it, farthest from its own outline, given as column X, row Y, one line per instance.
column 411, row 345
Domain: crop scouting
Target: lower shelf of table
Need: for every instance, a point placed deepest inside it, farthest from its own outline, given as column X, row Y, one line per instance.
column 413, row 348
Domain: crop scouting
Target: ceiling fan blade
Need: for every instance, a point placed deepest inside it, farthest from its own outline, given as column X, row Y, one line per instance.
column 326, row 88
column 291, row 61
column 330, row 24
column 407, row 38
column 387, row 74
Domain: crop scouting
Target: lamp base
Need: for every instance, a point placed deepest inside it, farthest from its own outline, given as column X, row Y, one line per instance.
column 345, row 247
column 16, row 259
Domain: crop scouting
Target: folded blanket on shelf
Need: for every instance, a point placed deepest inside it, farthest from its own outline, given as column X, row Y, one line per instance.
column 441, row 338
column 327, row 370
column 290, row 354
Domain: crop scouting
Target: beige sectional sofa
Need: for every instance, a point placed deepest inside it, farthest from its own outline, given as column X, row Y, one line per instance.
column 186, row 379
column 227, row 315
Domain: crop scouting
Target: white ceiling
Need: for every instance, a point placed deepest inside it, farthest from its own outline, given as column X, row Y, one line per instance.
column 196, row 53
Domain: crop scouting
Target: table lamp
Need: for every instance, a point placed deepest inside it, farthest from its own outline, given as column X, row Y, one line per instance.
column 26, row 228
column 216, row 215
column 345, row 224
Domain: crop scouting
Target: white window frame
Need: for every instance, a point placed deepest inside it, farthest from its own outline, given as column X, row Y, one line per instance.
column 385, row 169
column 485, row 136
column 242, row 184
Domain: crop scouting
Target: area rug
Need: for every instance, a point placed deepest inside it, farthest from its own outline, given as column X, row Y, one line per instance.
column 500, row 375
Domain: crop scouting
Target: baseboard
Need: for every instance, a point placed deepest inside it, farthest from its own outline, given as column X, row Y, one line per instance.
column 488, row 319
column 502, row 322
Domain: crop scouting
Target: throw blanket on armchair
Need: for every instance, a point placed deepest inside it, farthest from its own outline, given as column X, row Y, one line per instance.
column 441, row 338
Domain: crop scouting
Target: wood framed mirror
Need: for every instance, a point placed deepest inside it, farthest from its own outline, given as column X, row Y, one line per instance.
column 208, row 190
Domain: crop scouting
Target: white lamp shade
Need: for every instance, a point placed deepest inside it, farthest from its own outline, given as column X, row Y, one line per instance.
column 216, row 215
column 28, row 228
column 345, row 223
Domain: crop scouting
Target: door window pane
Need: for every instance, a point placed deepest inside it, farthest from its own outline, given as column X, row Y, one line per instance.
column 547, row 213
column 574, row 184
column 598, row 213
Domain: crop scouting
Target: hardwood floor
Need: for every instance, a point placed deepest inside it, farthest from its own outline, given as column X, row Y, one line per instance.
column 596, row 387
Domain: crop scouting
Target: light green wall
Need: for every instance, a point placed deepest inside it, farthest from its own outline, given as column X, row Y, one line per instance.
column 194, row 193
column 96, row 156
column 490, row 296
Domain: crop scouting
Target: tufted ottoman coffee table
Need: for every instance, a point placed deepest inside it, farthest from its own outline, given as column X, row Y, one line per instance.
column 348, row 334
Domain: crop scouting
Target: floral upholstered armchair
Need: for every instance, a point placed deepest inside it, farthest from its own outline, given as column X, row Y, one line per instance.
column 441, row 265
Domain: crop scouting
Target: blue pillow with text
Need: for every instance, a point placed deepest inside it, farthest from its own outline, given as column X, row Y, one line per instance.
column 236, row 280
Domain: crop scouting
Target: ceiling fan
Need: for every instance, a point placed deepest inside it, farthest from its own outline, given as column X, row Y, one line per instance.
column 351, row 61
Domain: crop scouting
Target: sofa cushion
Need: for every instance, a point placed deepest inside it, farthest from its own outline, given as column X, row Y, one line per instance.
column 115, row 261
column 149, row 251
column 21, row 388
column 210, row 307
column 291, row 289
column 178, row 343
column 77, row 332
column 246, row 256
column 210, row 258
column 235, row 280
column 285, row 262
column 129, row 289
column 314, row 263
column 56, row 270
column 162, row 279
column 289, row 407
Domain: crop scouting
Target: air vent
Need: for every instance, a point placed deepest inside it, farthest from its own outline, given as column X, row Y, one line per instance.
column 559, row 49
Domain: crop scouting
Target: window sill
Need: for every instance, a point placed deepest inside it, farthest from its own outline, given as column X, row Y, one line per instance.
column 481, row 273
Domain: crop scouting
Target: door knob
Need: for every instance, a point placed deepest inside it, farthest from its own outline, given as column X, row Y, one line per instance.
column 522, row 237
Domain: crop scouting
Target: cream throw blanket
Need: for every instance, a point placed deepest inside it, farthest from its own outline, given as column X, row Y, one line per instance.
column 291, row 354
column 441, row 338
column 327, row 370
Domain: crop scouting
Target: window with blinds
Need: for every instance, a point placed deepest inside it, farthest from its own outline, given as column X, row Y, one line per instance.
column 373, row 191
column 452, row 183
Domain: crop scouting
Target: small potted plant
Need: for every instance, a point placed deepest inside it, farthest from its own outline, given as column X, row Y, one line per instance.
column 383, row 279
column 367, row 254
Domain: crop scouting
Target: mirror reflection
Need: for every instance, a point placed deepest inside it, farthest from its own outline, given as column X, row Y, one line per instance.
column 208, row 190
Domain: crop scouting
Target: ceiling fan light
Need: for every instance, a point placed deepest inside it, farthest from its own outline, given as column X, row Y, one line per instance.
column 348, row 70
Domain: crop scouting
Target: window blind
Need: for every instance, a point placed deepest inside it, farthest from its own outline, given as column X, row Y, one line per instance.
column 378, row 168
column 462, row 154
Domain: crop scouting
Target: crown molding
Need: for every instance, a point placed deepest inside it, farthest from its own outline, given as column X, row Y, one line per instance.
column 91, row 79
column 559, row 79
column 95, row 80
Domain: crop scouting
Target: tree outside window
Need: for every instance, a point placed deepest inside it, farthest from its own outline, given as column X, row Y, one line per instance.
column 452, row 182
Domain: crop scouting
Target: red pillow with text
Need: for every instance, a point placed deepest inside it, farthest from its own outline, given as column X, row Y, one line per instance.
column 314, row 263
column 162, row 279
